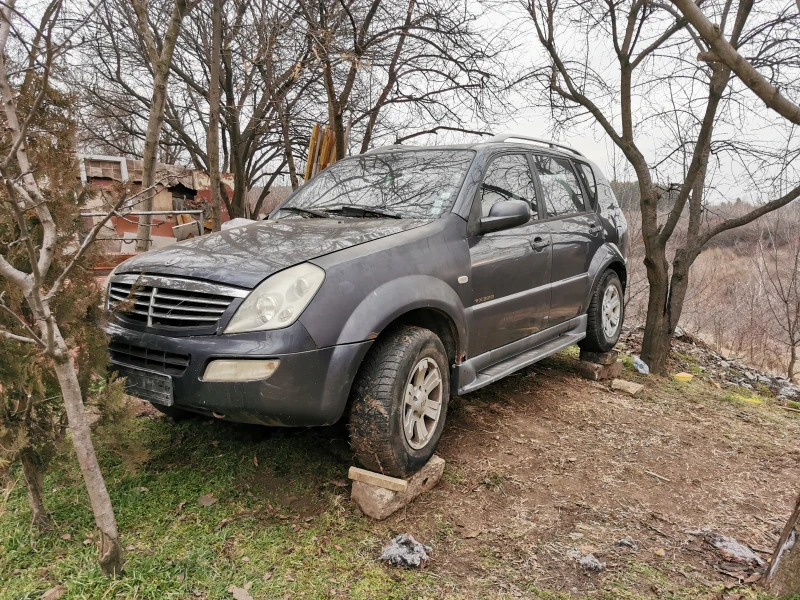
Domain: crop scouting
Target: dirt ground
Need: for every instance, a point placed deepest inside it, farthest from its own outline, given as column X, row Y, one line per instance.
column 543, row 468
column 546, row 463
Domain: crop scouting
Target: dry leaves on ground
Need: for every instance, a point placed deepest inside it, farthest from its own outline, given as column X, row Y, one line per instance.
column 206, row 500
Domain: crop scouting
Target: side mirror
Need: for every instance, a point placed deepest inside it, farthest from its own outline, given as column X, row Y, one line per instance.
column 505, row 215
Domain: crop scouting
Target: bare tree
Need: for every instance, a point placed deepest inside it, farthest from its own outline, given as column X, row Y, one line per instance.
column 264, row 54
column 427, row 62
column 159, row 55
column 650, row 87
column 778, row 266
column 41, row 46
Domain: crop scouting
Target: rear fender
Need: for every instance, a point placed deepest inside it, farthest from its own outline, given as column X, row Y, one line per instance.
column 603, row 259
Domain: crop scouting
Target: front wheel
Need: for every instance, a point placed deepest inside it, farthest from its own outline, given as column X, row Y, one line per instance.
column 399, row 402
column 606, row 312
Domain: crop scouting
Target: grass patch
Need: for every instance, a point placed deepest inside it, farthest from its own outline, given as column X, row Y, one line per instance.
column 279, row 513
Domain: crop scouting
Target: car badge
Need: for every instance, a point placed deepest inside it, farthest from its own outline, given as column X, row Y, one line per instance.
column 171, row 261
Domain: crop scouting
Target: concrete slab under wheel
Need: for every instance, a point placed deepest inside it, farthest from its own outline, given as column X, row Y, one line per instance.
column 378, row 502
column 595, row 372
column 601, row 358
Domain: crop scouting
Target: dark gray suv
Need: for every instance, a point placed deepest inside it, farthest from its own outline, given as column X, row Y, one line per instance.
column 387, row 282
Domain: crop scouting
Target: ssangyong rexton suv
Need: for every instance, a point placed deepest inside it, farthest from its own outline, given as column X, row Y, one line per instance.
column 386, row 283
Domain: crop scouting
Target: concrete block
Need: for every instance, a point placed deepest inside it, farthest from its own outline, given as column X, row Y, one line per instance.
column 595, row 372
column 630, row 388
column 601, row 358
column 379, row 502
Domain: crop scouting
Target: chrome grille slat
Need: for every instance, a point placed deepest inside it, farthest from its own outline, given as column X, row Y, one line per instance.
column 171, row 301
column 190, row 299
column 210, row 309
column 168, row 316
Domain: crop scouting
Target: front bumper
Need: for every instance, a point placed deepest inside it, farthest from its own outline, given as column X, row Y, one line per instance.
column 310, row 386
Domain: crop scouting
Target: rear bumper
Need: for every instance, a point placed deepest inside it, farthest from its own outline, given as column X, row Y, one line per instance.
column 310, row 387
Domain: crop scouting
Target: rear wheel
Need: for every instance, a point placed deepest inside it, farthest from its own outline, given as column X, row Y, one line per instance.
column 605, row 315
column 399, row 402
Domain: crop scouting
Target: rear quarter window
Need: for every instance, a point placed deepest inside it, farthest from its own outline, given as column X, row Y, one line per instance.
column 589, row 182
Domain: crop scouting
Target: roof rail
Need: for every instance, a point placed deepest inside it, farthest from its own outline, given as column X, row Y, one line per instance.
column 377, row 148
column 513, row 136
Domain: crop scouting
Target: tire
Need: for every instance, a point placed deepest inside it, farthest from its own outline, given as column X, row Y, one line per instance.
column 600, row 338
column 378, row 402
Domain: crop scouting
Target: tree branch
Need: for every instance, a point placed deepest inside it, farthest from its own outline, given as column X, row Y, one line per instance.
column 729, row 56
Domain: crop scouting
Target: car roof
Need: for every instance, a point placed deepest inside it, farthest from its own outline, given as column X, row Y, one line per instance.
column 495, row 143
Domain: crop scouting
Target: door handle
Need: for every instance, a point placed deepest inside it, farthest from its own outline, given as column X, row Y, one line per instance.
column 539, row 244
column 594, row 229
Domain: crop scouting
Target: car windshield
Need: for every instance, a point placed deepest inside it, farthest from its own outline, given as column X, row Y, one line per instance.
column 420, row 184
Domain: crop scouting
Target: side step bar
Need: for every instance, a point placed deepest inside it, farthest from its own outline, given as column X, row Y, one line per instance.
column 487, row 368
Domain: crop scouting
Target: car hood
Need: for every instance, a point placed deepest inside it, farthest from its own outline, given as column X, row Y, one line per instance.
column 244, row 256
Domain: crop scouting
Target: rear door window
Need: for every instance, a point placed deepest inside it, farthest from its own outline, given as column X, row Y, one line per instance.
column 562, row 192
column 508, row 178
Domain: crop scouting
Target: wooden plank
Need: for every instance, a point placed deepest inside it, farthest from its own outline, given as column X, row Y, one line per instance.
column 377, row 479
column 312, row 147
column 325, row 150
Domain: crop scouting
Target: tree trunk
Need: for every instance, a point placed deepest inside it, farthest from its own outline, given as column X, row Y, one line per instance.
column 212, row 140
column 161, row 65
column 792, row 361
column 664, row 307
column 783, row 575
column 109, row 544
column 237, row 203
column 338, row 129
column 34, row 480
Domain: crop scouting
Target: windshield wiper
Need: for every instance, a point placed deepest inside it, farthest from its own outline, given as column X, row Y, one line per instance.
column 363, row 211
column 306, row 211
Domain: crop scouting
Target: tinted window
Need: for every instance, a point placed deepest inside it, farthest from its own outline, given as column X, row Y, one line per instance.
column 562, row 193
column 508, row 178
column 589, row 182
column 414, row 184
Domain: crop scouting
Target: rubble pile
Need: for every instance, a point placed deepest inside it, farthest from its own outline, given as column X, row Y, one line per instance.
column 725, row 371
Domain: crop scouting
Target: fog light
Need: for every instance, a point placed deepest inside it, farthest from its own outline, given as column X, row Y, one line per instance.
column 240, row 370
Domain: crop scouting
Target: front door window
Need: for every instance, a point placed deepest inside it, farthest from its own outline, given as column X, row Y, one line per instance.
column 508, row 178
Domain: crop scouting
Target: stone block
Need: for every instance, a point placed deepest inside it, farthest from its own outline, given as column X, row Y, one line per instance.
column 379, row 502
column 595, row 372
column 601, row 358
column 630, row 388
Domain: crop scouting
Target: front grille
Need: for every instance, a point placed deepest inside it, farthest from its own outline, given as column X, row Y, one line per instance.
column 169, row 302
column 153, row 360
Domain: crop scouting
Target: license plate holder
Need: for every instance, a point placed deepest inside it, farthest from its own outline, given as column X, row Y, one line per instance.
column 146, row 384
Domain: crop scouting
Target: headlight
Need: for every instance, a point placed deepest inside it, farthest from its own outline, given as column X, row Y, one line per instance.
column 278, row 301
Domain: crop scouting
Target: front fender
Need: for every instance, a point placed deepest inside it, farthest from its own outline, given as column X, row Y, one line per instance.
column 603, row 259
column 397, row 297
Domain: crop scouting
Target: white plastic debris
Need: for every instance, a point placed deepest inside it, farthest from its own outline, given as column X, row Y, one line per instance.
column 588, row 562
column 640, row 365
column 733, row 551
column 405, row 551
